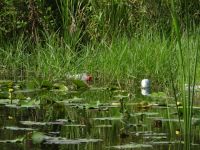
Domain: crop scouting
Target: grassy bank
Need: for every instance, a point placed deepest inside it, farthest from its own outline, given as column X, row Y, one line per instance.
column 123, row 58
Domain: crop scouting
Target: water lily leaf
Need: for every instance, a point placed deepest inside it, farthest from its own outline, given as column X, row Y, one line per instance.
column 4, row 101
column 146, row 113
column 80, row 84
column 29, row 103
column 5, row 81
column 148, row 133
column 29, row 85
column 18, row 128
column 72, row 100
column 60, row 140
column 159, row 95
column 103, row 126
column 38, row 137
column 144, row 105
column 75, row 125
column 108, row 118
column 17, row 140
column 98, row 88
column 65, row 120
column 119, row 96
column 164, row 142
column 57, row 122
column 60, row 87
column 155, row 137
column 30, row 123
column 27, row 91
column 196, row 122
column 132, row 146
column 165, row 119
column 12, row 106
column 75, row 99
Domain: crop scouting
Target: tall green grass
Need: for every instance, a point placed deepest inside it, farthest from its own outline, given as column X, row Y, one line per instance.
column 53, row 59
column 14, row 59
column 122, row 58
column 187, row 55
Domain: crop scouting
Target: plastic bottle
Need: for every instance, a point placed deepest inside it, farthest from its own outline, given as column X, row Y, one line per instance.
column 145, row 87
column 82, row 76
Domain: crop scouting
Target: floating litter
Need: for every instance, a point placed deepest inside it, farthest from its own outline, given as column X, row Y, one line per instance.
column 145, row 87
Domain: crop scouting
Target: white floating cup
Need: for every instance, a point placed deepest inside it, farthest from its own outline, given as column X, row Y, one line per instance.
column 145, row 87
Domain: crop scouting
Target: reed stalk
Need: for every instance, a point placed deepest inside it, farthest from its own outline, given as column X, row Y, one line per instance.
column 187, row 59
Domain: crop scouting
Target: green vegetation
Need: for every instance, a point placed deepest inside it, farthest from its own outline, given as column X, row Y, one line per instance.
column 187, row 70
column 118, row 42
column 112, row 39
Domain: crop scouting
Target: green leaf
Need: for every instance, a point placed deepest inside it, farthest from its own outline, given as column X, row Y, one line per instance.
column 60, row 87
column 80, row 84
column 38, row 137
column 17, row 140
column 29, row 103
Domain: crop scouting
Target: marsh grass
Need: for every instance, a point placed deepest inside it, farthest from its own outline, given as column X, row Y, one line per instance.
column 51, row 59
column 14, row 58
column 121, row 59
column 136, row 57
column 187, row 55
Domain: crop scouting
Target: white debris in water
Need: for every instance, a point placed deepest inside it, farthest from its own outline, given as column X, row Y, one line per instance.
column 196, row 87
column 145, row 83
column 145, row 87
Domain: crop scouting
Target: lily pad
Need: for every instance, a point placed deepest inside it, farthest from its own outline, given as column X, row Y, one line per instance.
column 75, row 125
column 65, row 120
column 60, row 87
column 4, row 101
column 159, row 95
column 132, row 146
column 148, row 133
column 18, row 128
column 146, row 113
column 57, row 122
column 108, row 118
column 121, row 96
column 72, row 100
column 12, row 106
column 27, row 91
column 17, row 140
column 80, row 84
column 104, row 126
column 30, row 123
column 29, row 103
column 98, row 88
column 38, row 137
column 164, row 142
column 60, row 140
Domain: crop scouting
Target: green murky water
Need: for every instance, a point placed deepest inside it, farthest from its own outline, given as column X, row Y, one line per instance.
column 91, row 119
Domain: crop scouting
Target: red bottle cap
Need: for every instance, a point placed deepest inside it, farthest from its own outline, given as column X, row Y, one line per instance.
column 89, row 78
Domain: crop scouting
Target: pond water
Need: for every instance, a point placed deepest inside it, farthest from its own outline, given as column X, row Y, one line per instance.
column 90, row 119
